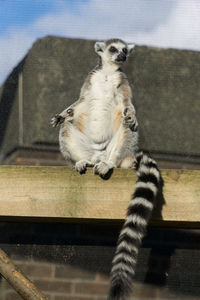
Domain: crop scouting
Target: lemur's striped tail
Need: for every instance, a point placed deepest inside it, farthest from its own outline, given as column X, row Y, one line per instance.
column 133, row 230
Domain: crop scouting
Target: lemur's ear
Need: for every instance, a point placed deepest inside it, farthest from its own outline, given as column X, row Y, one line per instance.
column 99, row 47
column 130, row 48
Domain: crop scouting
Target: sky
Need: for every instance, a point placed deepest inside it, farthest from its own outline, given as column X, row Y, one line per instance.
column 159, row 23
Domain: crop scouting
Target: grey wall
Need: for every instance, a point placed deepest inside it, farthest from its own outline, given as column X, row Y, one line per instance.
column 165, row 84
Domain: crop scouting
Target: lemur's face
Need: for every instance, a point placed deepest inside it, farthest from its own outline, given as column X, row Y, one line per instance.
column 117, row 52
column 113, row 52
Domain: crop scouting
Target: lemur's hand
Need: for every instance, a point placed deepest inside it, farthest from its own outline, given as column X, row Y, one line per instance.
column 59, row 118
column 130, row 118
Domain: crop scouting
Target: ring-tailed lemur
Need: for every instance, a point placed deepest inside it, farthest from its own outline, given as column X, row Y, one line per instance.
column 100, row 130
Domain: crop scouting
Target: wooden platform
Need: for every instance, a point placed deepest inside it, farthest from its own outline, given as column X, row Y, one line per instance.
column 61, row 194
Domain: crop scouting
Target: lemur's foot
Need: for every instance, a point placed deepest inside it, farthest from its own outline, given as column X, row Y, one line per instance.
column 81, row 166
column 130, row 119
column 102, row 168
column 129, row 162
column 57, row 120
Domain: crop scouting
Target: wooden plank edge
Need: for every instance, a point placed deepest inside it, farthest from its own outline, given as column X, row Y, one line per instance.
column 172, row 177
column 117, row 222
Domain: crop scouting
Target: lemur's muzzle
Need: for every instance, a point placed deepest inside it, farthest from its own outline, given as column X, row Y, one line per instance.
column 121, row 57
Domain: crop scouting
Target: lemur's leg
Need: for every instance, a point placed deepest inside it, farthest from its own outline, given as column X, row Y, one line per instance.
column 75, row 146
column 112, row 153
column 119, row 152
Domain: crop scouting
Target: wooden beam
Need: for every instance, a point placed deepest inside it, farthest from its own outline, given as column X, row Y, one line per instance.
column 23, row 286
column 62, row 194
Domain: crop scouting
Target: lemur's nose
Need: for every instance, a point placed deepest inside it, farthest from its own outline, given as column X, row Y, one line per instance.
column 121, row 57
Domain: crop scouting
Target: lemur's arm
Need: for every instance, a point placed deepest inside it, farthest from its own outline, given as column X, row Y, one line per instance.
column 59, row 118
column 129, row 114
column 69, row 111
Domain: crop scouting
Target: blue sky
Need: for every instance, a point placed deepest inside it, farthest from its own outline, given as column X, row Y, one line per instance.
column 24, row 12
column 20, row 13
column 160, row 23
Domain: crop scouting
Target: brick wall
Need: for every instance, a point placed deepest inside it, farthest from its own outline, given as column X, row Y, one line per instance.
column 59, row 282
column 69, row 283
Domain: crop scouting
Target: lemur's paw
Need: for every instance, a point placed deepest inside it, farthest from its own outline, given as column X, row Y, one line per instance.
column 57, row 120
column 102, row 168
column 130, row 119
column 81, row 166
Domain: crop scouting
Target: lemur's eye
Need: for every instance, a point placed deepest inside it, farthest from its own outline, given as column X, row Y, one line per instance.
column 125, row 50
column 113, row 49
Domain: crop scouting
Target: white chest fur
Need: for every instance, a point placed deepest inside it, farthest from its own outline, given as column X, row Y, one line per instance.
column 104, row 86
column 103, row 99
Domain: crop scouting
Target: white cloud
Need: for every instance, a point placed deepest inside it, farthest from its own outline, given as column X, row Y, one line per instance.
column 100, row 19
column 181, row 31
column 169, row 23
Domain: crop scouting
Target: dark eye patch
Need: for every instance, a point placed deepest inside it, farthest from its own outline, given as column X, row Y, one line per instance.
column 125, row 50
column 112, row 49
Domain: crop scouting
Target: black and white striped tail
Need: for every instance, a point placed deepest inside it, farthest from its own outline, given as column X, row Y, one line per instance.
column 133, row 230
